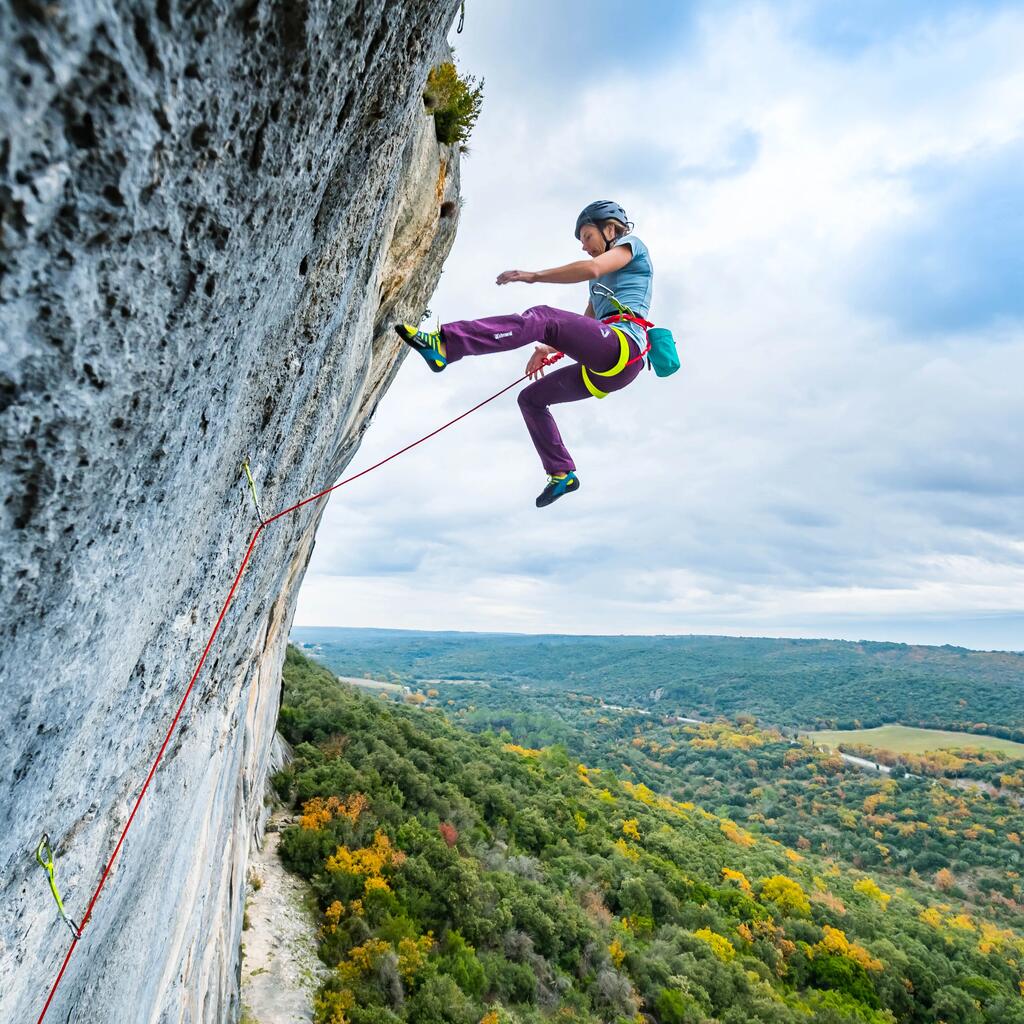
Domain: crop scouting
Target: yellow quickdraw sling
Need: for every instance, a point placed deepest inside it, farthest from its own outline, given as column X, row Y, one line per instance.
column 44, row 855
column 617, row 368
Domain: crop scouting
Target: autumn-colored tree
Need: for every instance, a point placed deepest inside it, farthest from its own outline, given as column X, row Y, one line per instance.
column 786, row 894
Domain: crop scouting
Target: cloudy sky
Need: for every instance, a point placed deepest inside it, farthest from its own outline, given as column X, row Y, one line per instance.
column 833, row 198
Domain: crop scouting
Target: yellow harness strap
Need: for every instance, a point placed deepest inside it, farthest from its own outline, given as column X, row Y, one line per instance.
column 617, row 368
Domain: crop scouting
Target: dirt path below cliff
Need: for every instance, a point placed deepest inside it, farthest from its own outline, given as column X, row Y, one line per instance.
column 280, row 968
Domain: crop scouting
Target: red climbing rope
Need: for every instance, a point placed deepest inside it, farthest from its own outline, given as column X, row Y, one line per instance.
column 209, row 643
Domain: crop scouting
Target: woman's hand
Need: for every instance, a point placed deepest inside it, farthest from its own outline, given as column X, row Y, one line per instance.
column 535, row 367
column 526, row 276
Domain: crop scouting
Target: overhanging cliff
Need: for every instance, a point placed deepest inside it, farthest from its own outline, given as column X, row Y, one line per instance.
column 209, row 215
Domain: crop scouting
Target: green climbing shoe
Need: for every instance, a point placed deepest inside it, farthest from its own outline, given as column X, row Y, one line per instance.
column 557, row 486
column 427, row 343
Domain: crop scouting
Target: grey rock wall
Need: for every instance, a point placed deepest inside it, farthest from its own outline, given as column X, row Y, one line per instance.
column 209, row 214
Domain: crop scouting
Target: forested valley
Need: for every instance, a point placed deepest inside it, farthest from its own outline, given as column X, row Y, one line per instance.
column 483, row 853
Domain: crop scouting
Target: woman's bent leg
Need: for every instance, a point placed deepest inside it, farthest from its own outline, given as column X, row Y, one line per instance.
column 579, row 337
column 564, row 385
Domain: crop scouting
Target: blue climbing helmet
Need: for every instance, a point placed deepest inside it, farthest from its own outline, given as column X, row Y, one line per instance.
column 602, row 209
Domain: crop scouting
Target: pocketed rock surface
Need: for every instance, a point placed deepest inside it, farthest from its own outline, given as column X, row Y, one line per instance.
column 209, row 215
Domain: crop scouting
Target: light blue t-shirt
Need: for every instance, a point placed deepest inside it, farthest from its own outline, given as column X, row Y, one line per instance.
column 633, row 286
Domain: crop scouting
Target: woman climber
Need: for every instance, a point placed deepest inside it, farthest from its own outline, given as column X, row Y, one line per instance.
column 608, row 341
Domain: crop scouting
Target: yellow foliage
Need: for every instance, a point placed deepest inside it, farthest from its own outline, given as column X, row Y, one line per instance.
column 368, row 862
column 363, row 959
column 932, row 917
column 605, row 797
column 993, row 937
column 868, row 887
column 581, row 771
column 962, row 922
column 514, row 748
column 332, row 915
column 318, row 812
column 736, row 876
column 735, row 834
column 627, row 851
column 331, row 1006
column 793, row 856
column 704, row 744
column 646, row 796
column 720, row 945
column 835, row 941
column 872, row 802
column 786, row 894
column 413, row 953
column 581, row 822
column 631, row 828
column 616, row 952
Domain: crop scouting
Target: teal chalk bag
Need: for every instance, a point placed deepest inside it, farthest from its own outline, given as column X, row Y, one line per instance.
column 663, row 355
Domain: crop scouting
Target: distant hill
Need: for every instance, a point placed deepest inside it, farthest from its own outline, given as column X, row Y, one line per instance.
column 806, row 684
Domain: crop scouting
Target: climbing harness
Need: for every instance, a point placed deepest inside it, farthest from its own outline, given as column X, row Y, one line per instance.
column 661, row 352
column 624, row 313
column 44, row 855
column 623, row 362
column 257, row 533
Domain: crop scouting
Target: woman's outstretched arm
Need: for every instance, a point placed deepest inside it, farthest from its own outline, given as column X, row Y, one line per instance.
column 575, row 272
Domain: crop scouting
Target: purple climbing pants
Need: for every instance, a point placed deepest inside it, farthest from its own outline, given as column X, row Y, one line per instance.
column 587, row 341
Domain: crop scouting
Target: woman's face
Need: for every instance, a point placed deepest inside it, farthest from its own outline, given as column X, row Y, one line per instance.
column 592, row 240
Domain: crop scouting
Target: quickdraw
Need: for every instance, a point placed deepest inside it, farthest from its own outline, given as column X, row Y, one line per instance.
column 252, row 488
column 44, row 855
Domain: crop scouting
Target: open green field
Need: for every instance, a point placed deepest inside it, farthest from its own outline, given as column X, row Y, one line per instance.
column 906, row 740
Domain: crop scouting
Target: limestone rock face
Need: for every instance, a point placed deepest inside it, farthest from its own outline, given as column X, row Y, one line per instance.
column 209, row 214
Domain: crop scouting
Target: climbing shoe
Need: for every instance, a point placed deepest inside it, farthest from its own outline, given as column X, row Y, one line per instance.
column 559, row 484
column 427, row 343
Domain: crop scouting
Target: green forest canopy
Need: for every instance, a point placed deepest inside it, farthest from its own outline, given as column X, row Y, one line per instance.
column 464, row 879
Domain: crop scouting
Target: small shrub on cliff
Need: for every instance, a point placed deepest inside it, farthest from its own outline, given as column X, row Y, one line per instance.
column 454, row 102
